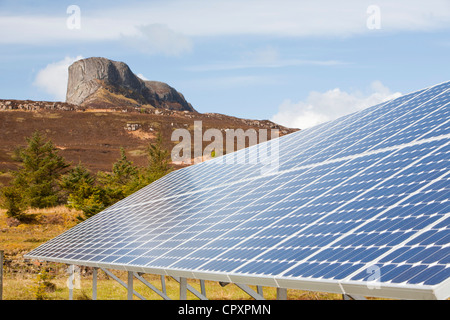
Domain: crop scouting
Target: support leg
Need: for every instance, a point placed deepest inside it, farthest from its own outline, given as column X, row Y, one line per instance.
column 259, row 290
column 1, row 274
column 281, row 294
column 94, row 284
column 192, row 290
column 183, row 289
column 202, row 287
column 149, row 285
column 130, row 285
column 112, row 275
column 352, row 297
column 250, row 291
column 163, row 284
column 70, row 282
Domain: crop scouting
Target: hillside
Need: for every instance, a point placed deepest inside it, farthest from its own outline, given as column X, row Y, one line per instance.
column 94, row 136
column 107, row 107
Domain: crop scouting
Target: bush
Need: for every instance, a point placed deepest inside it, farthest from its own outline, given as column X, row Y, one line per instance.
column 43, row 285
column 41, row 170
column 12, row 200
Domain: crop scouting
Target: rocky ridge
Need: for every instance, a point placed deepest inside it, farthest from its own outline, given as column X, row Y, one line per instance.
column 102, row 83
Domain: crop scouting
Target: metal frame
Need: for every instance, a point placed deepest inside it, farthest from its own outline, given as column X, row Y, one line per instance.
column 71, row 274
column 128, row 286
column 2, row 255
column 352, row 288
column 257, row 295
column 184, row 286
column 281, row 294
column 162, row 294
column 352, row 297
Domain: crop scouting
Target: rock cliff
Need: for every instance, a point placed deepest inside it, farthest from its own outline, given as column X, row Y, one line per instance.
column 100, row 82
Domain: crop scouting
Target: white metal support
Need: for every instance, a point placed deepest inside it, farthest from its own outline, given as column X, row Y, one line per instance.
column 250, row 291
column 352, row 297
column 112, row 275
column 202, row 287
column 130, row 286
column 192, row 290
column 70, row 282
column 148, row 284
column 94, row 284
column 163, row 284
column 259, row 290
column 281, row 294
column 1, row 274
column 183, row 289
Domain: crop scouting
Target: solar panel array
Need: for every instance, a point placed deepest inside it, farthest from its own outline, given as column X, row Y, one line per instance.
column 357, row 205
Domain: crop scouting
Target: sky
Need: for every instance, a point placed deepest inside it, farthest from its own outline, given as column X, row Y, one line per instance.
column 298, row 63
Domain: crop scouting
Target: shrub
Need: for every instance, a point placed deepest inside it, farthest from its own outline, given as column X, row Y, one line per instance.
column 11, row 199
column 41, row 170
column 43, row 285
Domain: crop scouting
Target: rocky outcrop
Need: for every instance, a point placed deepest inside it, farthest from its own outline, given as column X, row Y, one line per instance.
column 29, row 105
column 100, row 81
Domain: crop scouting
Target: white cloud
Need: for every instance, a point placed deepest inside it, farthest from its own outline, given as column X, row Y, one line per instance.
column 141, row 76
column 292, row 17
column 53, row 78
column 266, row 57
column 233, row 17
column 159, row 39
column 248, row 64
column 232, row 82
column 321, row 107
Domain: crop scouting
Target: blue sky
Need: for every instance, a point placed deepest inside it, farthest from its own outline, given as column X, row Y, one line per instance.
column 295, row 62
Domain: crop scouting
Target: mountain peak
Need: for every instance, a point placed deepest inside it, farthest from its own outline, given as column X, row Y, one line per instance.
column 99, row 82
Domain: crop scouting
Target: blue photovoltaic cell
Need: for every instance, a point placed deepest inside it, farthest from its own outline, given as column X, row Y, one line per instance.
column 368, row 190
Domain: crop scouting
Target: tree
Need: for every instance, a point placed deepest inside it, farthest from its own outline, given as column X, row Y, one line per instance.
column 158, row 162
column 126, row 178
column 92, row 195
column 42, row 167
column 121, row 182
column 123, row 171
column 75, row 178
column 11, row 199
column 88, row 198
column 82, row 193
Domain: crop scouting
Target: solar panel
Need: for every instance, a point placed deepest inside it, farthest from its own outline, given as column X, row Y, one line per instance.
column 357, row 205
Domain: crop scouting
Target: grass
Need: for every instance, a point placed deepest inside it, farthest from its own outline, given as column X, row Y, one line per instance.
column 48, row 115
column 21, row 277
column 22, row 288
column 42, row 225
